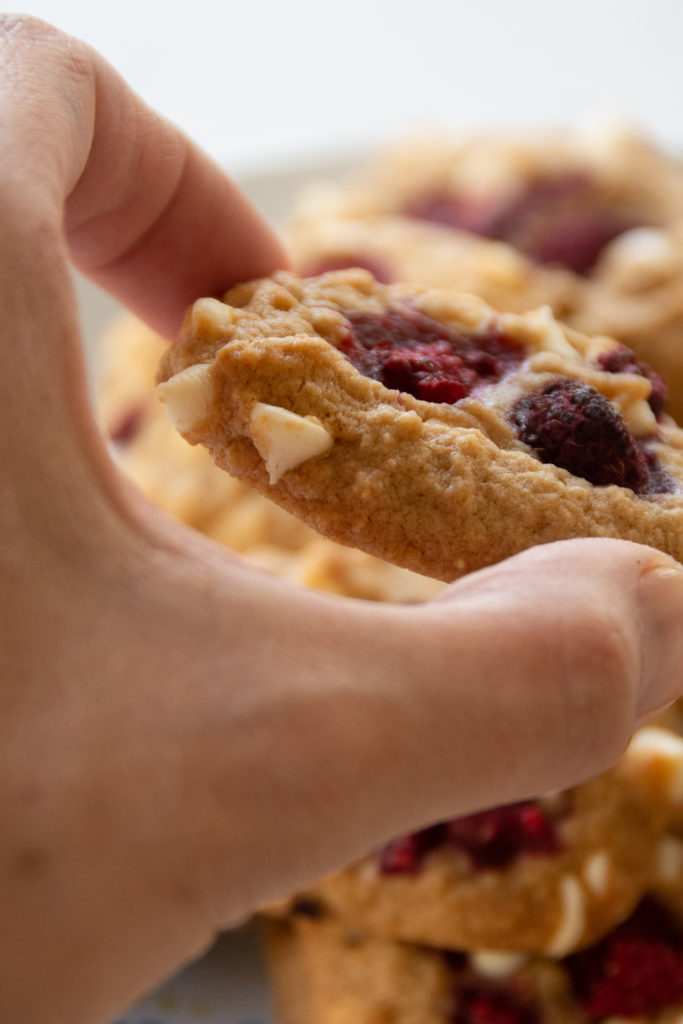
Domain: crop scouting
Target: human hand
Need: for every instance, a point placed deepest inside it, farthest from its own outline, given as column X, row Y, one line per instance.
column 181, row 736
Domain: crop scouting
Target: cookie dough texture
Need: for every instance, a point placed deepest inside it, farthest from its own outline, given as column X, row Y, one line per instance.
column 439, row 489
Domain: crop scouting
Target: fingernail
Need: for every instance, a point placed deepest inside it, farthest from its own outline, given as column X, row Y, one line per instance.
column 660, row 603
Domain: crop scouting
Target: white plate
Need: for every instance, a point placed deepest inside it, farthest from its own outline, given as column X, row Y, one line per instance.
column 229, row 985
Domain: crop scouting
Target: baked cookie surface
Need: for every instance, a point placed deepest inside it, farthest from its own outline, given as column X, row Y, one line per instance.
column 421, row 425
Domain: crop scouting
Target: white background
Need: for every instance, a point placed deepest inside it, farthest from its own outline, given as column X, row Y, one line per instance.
column 275, row 79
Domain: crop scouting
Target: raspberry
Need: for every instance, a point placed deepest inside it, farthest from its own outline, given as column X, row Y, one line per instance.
column 561, row 220
column 571, row 425
column 635, row 971
column 621, row 359
column 476, row 217
column 405, row 855
column 481, row 1004
column 492, row 839
column 410, row 352
column 495, row 838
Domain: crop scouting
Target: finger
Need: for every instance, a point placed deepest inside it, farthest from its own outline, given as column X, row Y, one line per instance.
column 528, row 677
column 148, row 216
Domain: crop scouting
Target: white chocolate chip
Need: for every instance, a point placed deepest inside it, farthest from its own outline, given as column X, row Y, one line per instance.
column 643, row 249
column 495, row 964
column 212, row 313
column 572, row 919
column 596, row 872
column 653, row 743
column 284, row 439
column 669, row 859
column 187, row 395
column 639, row 418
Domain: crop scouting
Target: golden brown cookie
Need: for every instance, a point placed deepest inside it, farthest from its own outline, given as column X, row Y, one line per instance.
column 421, row 425
column 324, row 973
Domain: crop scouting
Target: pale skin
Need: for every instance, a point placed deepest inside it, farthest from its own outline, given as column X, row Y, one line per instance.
column 181, row 736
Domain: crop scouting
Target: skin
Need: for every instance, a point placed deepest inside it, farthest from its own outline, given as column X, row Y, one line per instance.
column 181, row 736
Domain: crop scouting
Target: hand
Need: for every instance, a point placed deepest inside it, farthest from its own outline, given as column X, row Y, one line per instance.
column 182, row 736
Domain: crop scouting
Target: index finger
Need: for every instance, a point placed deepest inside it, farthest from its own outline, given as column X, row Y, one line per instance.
column 147, row 214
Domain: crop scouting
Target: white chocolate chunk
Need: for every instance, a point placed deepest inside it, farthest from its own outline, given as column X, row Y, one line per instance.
column 596, row 872
column 284, row 439
column 572, row 918
column 669, row 859
column 639, row 418
column 187, row 395
column 655, row 744
column 643, row 249
column 212, row 313
column 496, row 965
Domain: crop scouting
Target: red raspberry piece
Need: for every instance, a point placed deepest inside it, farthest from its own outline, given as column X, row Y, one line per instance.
column 410, row 352
column 480, row 1004
column 621, row 359
column 640, row 979
column 405, row 855
column 561, row 220
column 635, row 971
column 571, row 425
column 495, row 838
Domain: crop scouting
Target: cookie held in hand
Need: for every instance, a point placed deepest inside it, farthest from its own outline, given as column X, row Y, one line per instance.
column 423, row 426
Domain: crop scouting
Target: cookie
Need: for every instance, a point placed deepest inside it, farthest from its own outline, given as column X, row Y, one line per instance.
column 590, row 222
column 324, row 973
column 547, row 876
column 559, row 197
column 421, row 425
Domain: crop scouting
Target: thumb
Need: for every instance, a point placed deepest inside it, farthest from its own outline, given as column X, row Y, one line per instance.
column 555, row 657
column 526, row 677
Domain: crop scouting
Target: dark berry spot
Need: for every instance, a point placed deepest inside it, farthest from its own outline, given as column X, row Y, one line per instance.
column 405, row 855
column 476, row 217
column 489, row 1004
column 562, row 219
column 571, row 425
column 125, row 429
column 410, row 352
column 306, row 906
column 495, row 838
column 636, row 970
column 621, row 359
column 492, row 839
column 379, row 269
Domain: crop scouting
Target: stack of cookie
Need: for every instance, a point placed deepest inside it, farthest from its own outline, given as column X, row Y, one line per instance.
column 568, row 907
